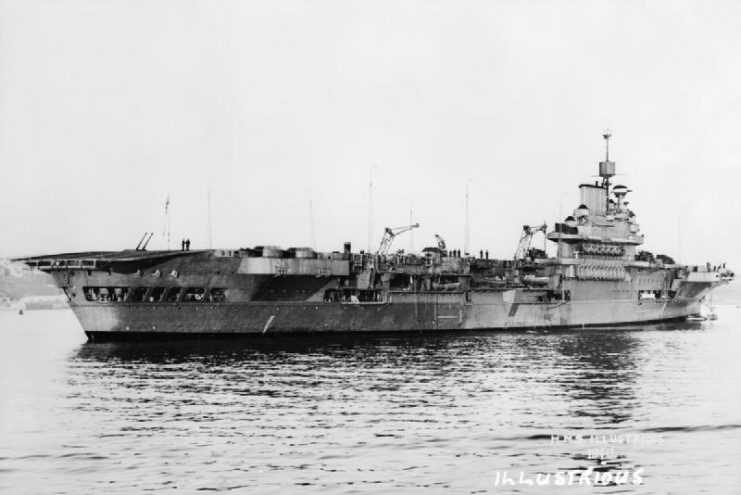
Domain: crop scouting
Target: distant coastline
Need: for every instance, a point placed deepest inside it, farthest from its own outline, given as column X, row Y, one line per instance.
column 24, row 289
column 727, row 295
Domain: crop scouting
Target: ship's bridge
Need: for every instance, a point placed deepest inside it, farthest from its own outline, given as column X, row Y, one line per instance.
column 602, row 225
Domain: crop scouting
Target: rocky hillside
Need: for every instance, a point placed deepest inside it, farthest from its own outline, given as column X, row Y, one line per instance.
column 18, row 281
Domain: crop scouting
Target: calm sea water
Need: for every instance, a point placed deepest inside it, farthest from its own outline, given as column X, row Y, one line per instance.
column 383, row 414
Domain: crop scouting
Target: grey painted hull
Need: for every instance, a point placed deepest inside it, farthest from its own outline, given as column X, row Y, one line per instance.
column 260, row 303
column 429, row 312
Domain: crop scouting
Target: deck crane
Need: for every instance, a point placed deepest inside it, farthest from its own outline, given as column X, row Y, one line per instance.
column 528, row 231
column 440, row 243
column 388, row 237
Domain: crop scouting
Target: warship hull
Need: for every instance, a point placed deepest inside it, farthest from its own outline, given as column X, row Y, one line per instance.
column 597, row 278
column 428, row 314
column 136, row 295
column 286, row 304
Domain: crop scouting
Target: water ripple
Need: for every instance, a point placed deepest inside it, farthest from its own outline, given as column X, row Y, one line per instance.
column 371, row 414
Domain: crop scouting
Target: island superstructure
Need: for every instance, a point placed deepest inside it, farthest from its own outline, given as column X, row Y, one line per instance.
column 598, row 277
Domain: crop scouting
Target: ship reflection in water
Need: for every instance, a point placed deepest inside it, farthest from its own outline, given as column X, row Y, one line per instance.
column 383, row 413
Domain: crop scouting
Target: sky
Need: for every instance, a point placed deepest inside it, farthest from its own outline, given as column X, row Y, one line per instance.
column 109, row 107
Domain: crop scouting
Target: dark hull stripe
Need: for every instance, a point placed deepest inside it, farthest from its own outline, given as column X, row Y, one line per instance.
column 115, row 336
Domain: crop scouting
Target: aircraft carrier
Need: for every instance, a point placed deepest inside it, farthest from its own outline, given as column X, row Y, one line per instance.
column 598, row 277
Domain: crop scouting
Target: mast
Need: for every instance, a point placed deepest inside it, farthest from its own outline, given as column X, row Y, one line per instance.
column 167, row 221
column 679, row 239
column 466, row 234
column 411, row 221
column 370, row 208
column 210, row 242
column 607, row 169
column 311, row 215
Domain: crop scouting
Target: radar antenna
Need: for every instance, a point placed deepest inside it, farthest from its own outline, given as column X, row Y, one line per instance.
column 607, row 135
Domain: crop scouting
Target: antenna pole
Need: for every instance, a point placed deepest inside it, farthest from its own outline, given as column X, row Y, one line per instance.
column 545, row 237
column 608, row 171
column 679, row 239
column 146, row 243
column 411, row 222
column 167, row 220
column 313, row 230
column 370, row 208
column 138, row 246
column 210, row 240
column 466, row 235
